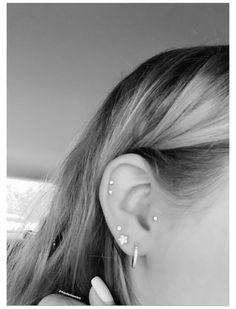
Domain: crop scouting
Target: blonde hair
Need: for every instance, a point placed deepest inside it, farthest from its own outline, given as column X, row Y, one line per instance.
column 172, row 110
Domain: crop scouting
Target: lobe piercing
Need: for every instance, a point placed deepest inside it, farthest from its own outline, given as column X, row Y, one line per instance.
column 123, row 239
column 111, row 182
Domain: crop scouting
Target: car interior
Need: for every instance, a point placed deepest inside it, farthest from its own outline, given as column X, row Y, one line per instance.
column 63, row 59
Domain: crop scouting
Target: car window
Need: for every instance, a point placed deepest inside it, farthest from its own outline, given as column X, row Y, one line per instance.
column 22, row 214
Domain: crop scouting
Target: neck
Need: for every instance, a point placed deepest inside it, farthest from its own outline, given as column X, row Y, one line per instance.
column 142, row 283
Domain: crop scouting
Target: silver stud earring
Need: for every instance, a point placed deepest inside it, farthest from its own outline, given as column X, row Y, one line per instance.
column 154, row 218
column 123, row 239
column 135, row 255
column 111, row 182
column 118, row 228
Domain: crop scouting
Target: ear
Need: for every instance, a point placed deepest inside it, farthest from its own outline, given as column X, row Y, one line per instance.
column 126, row 198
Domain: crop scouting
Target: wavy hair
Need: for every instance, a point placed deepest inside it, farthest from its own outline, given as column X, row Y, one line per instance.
column 173, row 111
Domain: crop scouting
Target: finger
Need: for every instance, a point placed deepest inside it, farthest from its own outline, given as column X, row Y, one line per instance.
column 99, row 294
column 94, row 299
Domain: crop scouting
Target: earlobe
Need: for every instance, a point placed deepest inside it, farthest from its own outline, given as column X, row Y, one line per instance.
column 125, row 193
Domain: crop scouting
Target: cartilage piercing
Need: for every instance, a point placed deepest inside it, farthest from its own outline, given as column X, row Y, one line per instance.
column 111, row 182
column 154, row 218
column 118, row 228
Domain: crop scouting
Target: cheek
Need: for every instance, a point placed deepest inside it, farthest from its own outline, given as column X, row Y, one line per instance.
column 202, row 250
column 196, row 258
column 204, row 236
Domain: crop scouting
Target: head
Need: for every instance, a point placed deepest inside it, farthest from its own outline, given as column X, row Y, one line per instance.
column 162, row 137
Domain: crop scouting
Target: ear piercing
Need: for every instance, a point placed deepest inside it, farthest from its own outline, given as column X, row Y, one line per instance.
column 111, row 182
column 135, row 256
column 123, row 239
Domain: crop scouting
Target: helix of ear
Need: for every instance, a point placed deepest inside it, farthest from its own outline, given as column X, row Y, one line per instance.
column 122, row 237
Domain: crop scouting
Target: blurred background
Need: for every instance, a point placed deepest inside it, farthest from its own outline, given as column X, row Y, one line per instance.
column 63, row 59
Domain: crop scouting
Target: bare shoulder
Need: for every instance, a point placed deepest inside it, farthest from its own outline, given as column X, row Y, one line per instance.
column 59, row 300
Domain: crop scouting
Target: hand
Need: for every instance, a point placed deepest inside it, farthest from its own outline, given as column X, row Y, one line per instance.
column 99, row 294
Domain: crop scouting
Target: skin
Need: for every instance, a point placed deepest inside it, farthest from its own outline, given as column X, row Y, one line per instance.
column 188, row 265
column 184, row 257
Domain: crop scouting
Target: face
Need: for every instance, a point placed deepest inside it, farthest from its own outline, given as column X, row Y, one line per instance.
column 189, row 260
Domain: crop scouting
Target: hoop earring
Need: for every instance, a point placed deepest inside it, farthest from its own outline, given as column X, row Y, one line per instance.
column 135, row 255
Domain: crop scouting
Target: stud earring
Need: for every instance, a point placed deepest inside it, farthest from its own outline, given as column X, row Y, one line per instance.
column 123, row 239
column 135, row 255
column 154, row 218
column 118, row 228
column 111, row 182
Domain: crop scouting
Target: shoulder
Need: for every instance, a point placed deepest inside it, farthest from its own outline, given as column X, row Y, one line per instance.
column 59, row 300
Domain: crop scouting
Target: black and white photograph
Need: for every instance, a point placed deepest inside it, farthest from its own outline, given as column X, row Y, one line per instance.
column 117, row 154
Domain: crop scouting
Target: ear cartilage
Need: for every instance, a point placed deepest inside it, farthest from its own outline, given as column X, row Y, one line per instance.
column 154, row 218
column 118, row 228
column 123, row 239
